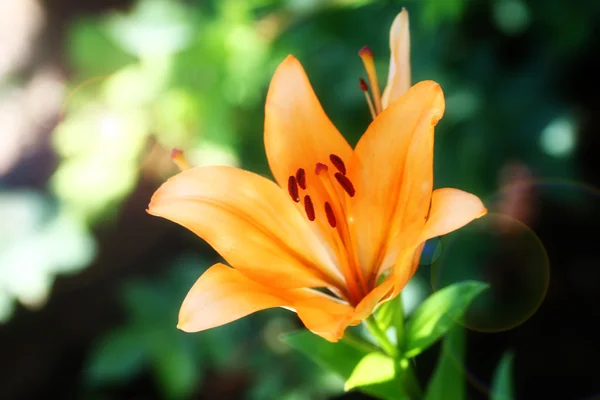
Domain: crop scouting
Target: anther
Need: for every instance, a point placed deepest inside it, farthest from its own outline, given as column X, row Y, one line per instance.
column 363, row 85
column 345, row 183
column 320, row 167
column 293, row 189
column 309, row 208
column 301, row 178
column 365, row 89
column 338, row 163
column 330, row 214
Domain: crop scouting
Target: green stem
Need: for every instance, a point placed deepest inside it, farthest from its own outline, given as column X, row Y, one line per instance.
column 412, row 384
column 384, row 342
column 359, row 342
column 399, row 322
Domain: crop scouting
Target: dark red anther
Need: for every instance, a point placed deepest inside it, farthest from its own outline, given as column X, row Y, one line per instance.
column 345, row 183
column 320, row 167
column 363, row 85
column 301, row 178
column 309, row 208
column 338, row 163
column 293, row 189
column 330, row 214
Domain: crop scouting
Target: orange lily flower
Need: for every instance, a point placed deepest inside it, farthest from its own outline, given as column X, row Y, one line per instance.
column 342, row 229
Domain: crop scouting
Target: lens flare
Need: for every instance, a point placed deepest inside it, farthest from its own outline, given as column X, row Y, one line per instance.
column 508, row 255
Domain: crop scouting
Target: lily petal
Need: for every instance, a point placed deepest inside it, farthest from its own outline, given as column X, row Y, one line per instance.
column 222, row 295
column 451, row 209
column 298, row 133
column 325, row 316
column 251, row 222
column 393, row 167
column 399, row 72
column 376, row 296
column 405, row 267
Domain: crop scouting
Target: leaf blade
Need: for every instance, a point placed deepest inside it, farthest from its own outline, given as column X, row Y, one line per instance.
column 342, row 358
column 437, row 314
column 447, row 381
column 502, row 384
column 372, row 369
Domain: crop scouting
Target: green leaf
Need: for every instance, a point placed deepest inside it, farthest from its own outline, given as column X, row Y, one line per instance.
column 373, row 368
column 92, row 51
column 447, row 381
column 117, row 358
column 436, row 315
column 339, row 357
column 385, row 314
column 502, row 385
column 343, row 358
column 175, row 365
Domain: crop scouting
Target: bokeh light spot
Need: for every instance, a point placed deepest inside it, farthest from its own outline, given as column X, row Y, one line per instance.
column 511, row 16
column 558, row 138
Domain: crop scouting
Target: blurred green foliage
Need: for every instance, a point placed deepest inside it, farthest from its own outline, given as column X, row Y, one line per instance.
column 250, row 348
column 38, row 241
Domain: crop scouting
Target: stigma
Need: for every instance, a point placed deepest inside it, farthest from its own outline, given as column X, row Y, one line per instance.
column 179, row 159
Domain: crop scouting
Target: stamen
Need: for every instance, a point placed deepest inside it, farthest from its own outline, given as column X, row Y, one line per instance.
column 338, row 163
column 330, row 214
column 179, row 159
column 309, row 208
column 301, row 178
column 365, row 89
column 293, row 189
column 320, row 167
column 367, row 58
column 345, row 183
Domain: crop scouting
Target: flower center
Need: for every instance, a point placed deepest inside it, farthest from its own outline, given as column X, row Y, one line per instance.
column 325, row 197
column 325, row 186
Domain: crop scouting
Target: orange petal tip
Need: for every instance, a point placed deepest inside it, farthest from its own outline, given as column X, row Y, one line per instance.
column 290, row 59
column 483, row 213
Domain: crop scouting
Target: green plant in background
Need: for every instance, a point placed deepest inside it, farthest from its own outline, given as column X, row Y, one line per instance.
column 181, row 363
column 165, row 71
column 39, row 240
